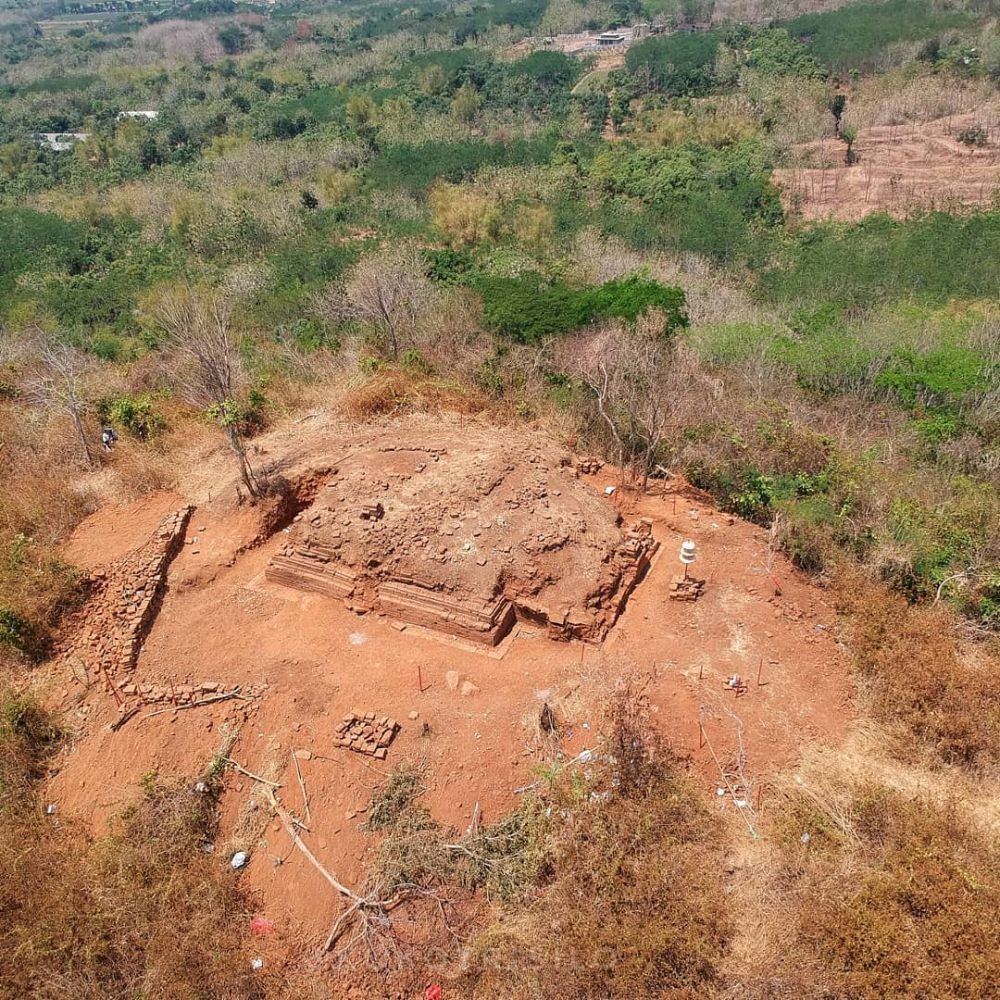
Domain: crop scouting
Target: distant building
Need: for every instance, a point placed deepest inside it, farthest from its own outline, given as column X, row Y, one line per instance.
column 148, row 115
column 609, row 39
column 60, row 141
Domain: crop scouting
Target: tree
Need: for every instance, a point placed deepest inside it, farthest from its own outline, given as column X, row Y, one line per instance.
column 849, row 136
column 465, row 103
column 58, row 381
column 432, row 79
column 198, row 323
column 388, row 291
column 625, row 371
column 837, row 105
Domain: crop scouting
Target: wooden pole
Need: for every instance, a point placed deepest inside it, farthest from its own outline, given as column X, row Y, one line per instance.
column 760, row 667
column 420, row 679
column 701, row 735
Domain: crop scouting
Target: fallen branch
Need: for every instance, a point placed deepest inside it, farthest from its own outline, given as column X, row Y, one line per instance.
column 256, row 777
column 235, row 693
column 124, row 717
column 289, row 823
column 302, row 787
column 358, row 903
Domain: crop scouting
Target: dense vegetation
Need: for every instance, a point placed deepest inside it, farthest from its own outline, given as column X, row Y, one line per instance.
column 839, row 381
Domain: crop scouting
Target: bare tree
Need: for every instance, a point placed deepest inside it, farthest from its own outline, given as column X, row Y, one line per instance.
column 626, row 371
column 59, row 381
column 388, row 290
column 211, row 373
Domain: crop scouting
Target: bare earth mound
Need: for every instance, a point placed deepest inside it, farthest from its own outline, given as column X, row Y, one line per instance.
column 466, row 531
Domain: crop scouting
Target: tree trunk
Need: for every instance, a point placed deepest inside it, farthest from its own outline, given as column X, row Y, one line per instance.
column 247, row 476
column 82, row 435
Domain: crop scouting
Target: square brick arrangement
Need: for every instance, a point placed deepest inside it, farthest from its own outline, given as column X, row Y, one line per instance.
column 368, row 733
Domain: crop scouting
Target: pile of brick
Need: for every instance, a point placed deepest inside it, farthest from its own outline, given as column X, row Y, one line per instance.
column 367, row 733
column 686, row 588
column 108, row 632
column 589, row 466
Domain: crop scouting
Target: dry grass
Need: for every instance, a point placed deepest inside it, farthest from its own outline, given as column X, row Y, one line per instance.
column 917, row 677
column 392, row 391
column 631, row 904
column 892, row 895
column 141, row 912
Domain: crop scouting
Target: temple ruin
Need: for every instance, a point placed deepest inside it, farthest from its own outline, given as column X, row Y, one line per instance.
column 466, row 532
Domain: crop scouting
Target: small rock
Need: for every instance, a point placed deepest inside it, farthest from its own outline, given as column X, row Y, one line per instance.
column 452, row 679
column 414, row 715
column 468, row 688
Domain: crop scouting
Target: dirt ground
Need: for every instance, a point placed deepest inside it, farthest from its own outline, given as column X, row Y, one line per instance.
column 900, row 168
column 221, row 620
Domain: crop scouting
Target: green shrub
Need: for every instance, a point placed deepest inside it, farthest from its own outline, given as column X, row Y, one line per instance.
column 135, row 414
column 856, row 35
column 528, row 308
column 677, row 64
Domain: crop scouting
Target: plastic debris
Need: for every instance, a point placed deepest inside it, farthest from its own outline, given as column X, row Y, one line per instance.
column 261, row 925
column 257, row 963
column 720, row 792
column 239, row 860
column 608, row 490
column 50, row 809
column 432, row 992
column 201, row 787
column 805, row 838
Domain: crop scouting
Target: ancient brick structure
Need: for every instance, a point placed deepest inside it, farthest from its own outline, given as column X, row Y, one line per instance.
column 107, row 633
column 466, row 532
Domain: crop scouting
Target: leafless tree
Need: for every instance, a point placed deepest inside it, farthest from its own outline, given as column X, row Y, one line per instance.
column 211, row 372
column 388, row 291
column 58, row 380
column 626, row 371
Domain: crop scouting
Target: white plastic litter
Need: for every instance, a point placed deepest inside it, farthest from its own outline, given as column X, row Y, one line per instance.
column 50, row 809
column 257, row 964
column 239, row 860
column 608, row 490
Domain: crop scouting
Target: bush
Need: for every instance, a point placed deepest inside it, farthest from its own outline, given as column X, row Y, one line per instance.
column 677, row 64
column 858, row 34
column 633, row 906
column 529, row 309
column 918, row 678
column 893, row 895
column 930, row 258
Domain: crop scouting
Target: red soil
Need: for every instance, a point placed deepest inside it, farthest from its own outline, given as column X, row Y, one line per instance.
column 900, row 168
column 221, row 620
